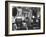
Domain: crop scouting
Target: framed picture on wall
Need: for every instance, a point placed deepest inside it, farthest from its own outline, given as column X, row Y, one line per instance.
column 24, row 18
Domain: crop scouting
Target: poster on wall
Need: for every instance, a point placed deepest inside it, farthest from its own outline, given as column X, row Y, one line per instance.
column 24, row 18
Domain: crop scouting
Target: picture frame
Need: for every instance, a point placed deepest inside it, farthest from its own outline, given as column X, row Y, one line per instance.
column 22, row 11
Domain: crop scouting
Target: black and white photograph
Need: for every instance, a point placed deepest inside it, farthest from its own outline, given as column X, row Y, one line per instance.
column 24, row 18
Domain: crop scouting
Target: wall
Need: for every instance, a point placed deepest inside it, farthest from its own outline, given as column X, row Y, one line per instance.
column 2, row 17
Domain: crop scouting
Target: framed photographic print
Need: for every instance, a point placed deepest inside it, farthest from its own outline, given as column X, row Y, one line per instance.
column 24, row 18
